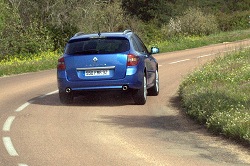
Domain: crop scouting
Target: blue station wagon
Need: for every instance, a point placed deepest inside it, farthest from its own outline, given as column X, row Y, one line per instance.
column 107, row 61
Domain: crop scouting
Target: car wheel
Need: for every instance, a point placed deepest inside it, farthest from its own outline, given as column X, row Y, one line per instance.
column 154, row 91
column 66, row 98
column 140, row 95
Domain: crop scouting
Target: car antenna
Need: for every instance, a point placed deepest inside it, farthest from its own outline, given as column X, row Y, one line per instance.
column 99, row 33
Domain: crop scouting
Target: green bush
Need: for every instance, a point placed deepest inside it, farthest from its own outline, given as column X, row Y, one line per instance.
column 34, row 39
column 60, row 35
column 173, row 29
column 18, row 39
column 192, row 22
column 3, row 15
column 195, row 22
column 233, row 21
column 149, row 33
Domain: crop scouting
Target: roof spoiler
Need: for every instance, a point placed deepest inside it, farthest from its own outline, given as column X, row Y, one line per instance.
column 127, row 31
column 78, row 34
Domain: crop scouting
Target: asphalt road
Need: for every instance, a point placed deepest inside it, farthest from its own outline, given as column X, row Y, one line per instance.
column 37, row 130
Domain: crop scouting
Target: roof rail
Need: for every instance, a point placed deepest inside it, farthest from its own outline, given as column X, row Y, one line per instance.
column 127, row 31
column 79, row 33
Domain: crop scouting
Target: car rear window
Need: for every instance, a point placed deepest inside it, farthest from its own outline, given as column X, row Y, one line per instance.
column 97, row 46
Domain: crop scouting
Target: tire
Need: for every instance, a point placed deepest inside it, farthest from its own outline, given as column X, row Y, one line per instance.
column 140, row 95
column 66, row 98
column 154, row 91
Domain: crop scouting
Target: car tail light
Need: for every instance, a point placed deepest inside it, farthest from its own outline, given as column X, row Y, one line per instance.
column 61, row 64
column 132, row 60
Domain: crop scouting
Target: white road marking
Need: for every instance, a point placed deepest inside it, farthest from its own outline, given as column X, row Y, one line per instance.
column 51, row 93
column 179, row 61
column 23, row 106
column 9, row 146
column 203, row 56
column 7, row 125
column 8, row 122
column 22, row 164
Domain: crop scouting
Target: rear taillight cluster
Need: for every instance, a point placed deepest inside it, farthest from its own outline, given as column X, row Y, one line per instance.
column 132, row 60
column 61, row 64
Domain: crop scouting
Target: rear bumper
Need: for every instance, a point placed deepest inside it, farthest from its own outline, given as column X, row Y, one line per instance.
column 131, row 81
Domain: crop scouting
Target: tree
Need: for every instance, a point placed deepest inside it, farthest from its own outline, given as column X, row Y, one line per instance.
column 148, row 10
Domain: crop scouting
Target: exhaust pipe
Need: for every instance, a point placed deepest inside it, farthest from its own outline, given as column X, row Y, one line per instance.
column 125, row 87
column 68, row 90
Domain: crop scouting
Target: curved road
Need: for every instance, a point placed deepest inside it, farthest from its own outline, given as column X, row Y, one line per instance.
column 37, row 130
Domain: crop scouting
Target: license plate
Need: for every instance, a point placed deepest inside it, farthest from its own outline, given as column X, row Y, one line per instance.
column 96, row 72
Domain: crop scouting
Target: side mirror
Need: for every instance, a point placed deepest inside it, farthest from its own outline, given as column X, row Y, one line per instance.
column 155, row 50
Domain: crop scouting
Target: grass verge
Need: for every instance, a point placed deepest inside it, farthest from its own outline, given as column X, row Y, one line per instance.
column 28, row 63
column 218, row 95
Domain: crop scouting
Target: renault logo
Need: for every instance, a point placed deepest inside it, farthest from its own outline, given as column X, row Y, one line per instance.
column 95, row 59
